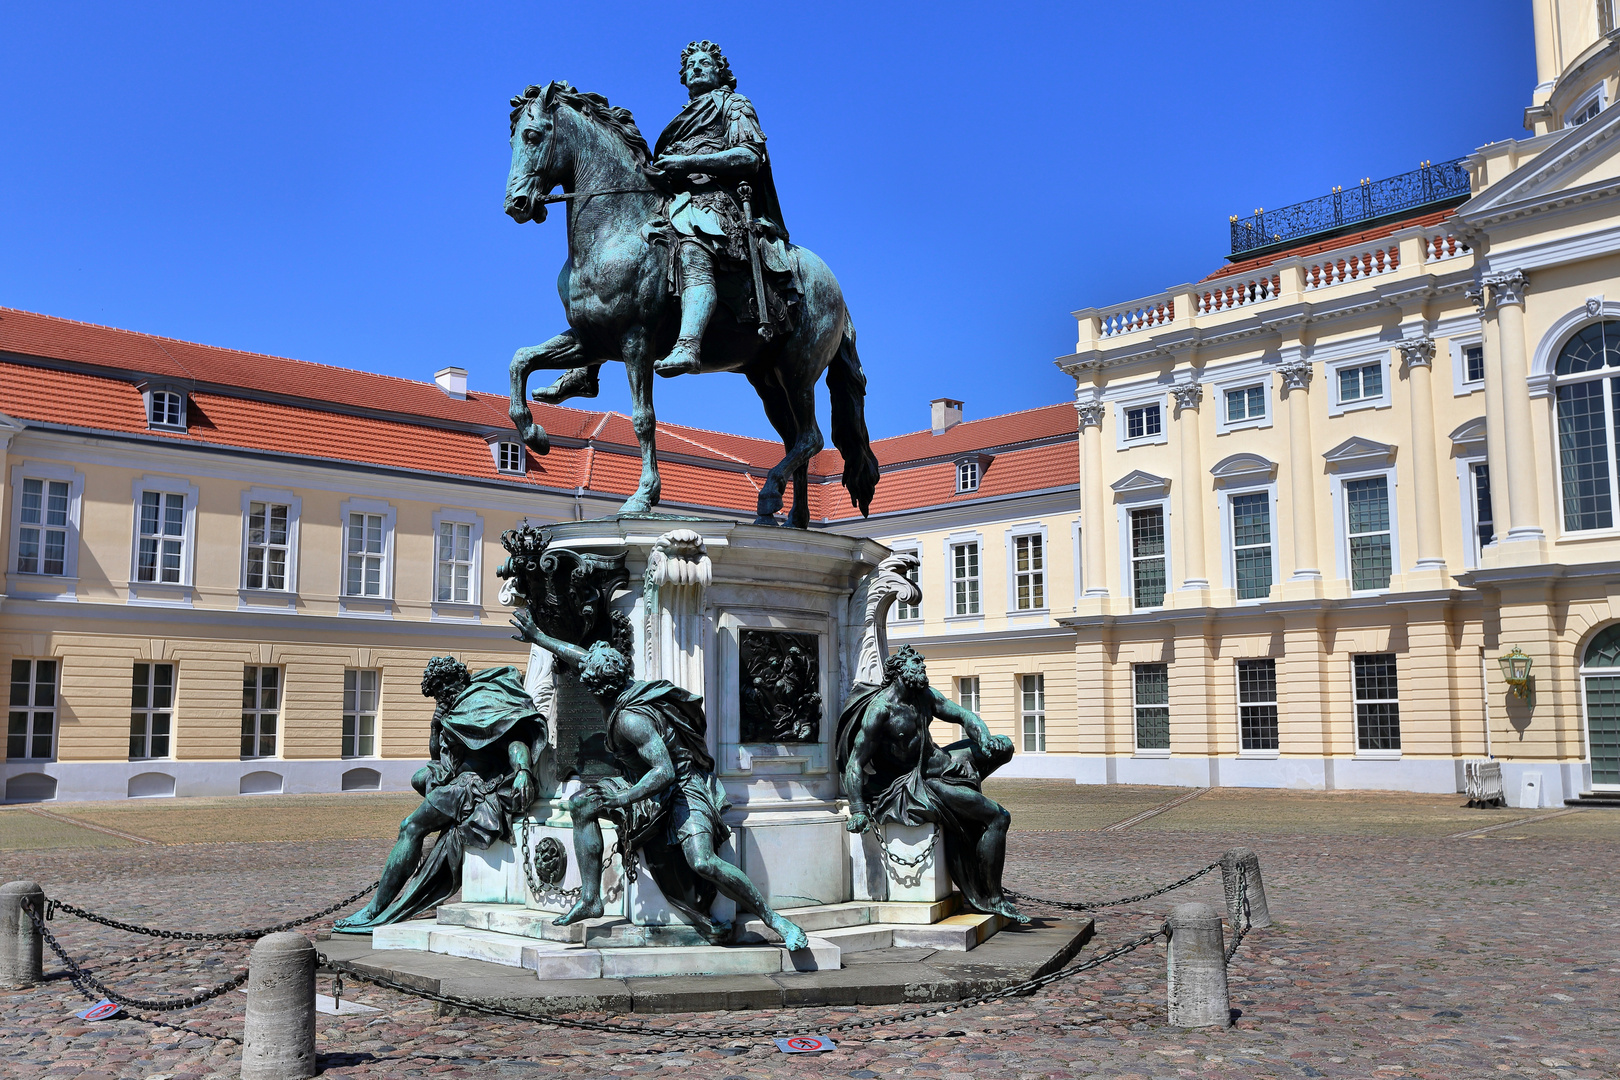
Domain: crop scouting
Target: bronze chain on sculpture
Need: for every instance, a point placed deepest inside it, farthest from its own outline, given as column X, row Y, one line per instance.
column 1068, row 905
column 52, row 906
column 85, row 982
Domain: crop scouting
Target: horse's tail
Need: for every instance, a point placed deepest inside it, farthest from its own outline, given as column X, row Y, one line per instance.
column 846, row 385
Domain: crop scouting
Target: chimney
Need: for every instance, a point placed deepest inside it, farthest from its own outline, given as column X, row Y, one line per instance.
column 453, row 381
column 947, row 414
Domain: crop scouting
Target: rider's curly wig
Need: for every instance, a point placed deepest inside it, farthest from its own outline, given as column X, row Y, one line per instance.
column 727, row 79
column 443, row 673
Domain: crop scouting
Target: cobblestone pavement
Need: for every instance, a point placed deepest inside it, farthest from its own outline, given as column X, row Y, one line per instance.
column 1393, row 955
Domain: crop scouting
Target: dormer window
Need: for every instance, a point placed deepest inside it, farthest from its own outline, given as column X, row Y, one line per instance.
column 509, row 457
column 165, row 409
column 967, row 476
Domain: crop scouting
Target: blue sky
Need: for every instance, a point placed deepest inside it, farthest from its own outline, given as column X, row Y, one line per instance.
column 324, row 181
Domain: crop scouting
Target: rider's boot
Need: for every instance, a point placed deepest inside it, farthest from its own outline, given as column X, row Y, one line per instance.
column 698, row 297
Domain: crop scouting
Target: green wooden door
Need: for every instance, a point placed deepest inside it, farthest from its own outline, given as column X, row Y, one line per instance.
column 1603, row 727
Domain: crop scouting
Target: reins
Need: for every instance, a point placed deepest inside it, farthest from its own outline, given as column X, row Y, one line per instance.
column 564, row 196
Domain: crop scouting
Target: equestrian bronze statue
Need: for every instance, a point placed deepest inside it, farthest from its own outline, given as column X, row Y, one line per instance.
column 681, row 263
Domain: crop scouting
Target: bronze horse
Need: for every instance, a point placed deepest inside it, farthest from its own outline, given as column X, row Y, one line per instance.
column 615, row 292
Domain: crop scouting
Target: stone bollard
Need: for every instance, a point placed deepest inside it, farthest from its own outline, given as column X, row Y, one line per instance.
column 1242, row 861
column 21, row 948
column 1197, row 974
column 278, row 1040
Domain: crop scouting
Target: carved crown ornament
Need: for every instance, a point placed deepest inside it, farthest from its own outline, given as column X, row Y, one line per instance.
column 1417, row 352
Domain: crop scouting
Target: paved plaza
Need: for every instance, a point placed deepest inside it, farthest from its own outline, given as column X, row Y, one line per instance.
column 1402, row 947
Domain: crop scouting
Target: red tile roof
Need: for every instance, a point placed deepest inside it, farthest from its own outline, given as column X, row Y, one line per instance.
column 1243, row 266
column 337, row 414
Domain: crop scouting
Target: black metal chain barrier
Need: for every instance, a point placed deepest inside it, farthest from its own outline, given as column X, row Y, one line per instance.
column 52, row 906
column 1028, row 986
column 1068, row 905
column 85, row 982
column 1243, row 906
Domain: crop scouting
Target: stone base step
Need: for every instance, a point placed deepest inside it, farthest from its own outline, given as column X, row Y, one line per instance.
column 556, row 960
column 1609, row 799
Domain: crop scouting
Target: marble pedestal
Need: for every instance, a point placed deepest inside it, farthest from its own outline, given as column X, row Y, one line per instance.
column 700, row 589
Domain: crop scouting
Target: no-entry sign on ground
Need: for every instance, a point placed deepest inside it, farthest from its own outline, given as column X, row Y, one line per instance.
column 805, row 1044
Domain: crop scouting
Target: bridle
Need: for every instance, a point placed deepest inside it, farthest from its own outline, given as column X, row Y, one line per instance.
column 565, row 196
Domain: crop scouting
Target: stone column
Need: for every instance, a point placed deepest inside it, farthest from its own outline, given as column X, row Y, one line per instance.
column 1296, row 381
column 1418, row 356
column 678, row 570
column 1094, row 530
column 1495, row 443
column 1195, row 575
column 1196, row 977
column 1512, row 369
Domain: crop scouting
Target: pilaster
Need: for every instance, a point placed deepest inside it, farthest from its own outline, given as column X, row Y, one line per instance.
column 1306, row 579
column 1094, row 532
column 1525, row 542
column 1417, row 355
column 1190, row 496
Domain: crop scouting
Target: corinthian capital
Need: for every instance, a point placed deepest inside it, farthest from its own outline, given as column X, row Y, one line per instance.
column 1296, row 374
column 1187, row 395
column 1507, row 287
column 1091, row 413
column 1418, row 352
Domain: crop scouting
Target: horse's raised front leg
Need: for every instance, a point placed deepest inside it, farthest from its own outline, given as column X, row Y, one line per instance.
column 562, row 351
column 573, row 383
column 638, row 365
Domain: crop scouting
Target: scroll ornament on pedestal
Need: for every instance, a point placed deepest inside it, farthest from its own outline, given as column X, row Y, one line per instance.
column 888, row 583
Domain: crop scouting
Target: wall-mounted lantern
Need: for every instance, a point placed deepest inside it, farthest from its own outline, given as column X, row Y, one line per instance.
column 1516, row 671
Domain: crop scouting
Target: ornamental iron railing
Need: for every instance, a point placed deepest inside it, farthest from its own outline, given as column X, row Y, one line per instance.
column 1428, row 185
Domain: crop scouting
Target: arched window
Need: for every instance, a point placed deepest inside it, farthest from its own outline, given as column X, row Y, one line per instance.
column 1600, row 674
column 1588, row 389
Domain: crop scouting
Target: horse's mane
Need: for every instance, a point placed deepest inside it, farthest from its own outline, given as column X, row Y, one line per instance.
column 595, row 106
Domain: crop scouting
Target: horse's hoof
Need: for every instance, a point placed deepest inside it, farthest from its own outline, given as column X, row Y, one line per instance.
column 768, row 519
column 637, row 505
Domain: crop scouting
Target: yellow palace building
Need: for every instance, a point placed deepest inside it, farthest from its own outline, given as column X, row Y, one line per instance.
column 1331, row 488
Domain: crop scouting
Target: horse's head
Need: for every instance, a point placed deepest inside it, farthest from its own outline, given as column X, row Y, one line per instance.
column 598, row 138
column 536, row 165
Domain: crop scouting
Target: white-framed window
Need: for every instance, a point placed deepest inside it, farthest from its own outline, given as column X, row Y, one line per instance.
column 261, row 710
column 42, row 537
column 1029, row 572
column 1368, row 532
column 1361, row 383
column 31, row 720
column 1143, row 421
column 454, row 563
column 151, row 711
column 1243, row 404
column 967, row 476
column 967, row 693
column 1257, row 705
column 165, row 532
column 509, row 457
column 360, row 692
column 1467, row 364
column 269, row 533
column 1587, row 106
column 965, row 578
column 1032, row 711
column 166, row 408
column 163, row 537
column 1585, row 384
column 1378, row 710
column 1481, row 519
column 904, row 612
column 1149, row 561
column 1150, row 698
column 458, row 538
column 368, row 549
column 1253, row 562
column 46, row 502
